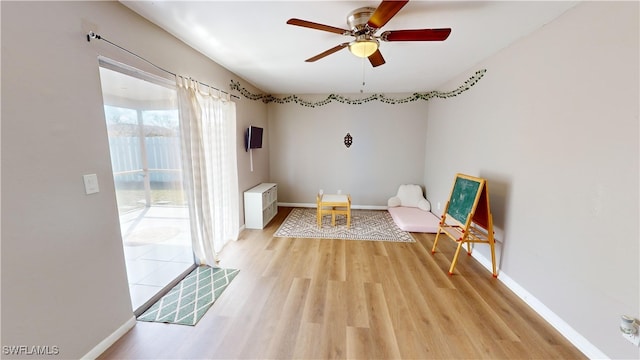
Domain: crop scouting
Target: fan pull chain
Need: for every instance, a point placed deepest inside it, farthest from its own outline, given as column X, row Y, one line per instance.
column 362, row 90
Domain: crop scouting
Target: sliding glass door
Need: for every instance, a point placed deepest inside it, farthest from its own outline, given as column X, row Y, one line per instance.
column 143, row 128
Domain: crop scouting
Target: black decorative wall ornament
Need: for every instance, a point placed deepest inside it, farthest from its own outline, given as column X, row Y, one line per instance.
column 267, row 98
column 348, row 140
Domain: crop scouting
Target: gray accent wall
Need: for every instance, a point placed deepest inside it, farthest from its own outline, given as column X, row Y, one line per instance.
column 554, row 128
column 307, row 150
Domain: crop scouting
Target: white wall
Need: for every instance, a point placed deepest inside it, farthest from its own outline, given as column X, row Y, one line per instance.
column 308, row 152
column 63, row 272
column 553, row 126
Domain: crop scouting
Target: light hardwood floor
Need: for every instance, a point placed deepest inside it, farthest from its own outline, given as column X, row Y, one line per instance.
column 323, row 299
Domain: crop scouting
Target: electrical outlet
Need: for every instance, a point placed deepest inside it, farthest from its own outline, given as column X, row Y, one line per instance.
column 438, row 205
column 633, row 338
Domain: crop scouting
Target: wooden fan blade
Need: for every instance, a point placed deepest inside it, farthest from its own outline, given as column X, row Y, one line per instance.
column 385, row 11
column 416, row 35
column 328, row 52
column 312, row 25
column 376, row 59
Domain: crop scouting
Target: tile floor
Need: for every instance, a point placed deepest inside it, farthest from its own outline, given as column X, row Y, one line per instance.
column 157, row 248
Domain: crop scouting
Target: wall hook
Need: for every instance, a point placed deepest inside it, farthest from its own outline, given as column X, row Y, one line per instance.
column 348, row 140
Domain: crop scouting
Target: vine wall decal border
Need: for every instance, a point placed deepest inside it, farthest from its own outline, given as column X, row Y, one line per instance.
column 267, row 98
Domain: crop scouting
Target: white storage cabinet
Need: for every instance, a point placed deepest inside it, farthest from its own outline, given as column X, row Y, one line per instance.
column 260, row 205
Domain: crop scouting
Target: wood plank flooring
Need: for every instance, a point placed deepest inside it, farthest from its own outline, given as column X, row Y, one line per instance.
column 337, row 299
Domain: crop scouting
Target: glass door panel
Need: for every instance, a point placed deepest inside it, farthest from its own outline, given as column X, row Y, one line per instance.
column 144, row 138
column 126, row 160
column 162, row 145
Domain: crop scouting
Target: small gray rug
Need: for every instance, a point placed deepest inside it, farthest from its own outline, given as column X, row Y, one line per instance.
column 375, row 225
column 188, row 301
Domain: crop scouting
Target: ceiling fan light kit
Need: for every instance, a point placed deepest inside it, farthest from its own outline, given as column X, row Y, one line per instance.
column 364, row 46
column 364, row 23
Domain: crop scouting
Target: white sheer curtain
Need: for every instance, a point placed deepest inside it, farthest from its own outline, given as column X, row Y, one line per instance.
column 208, row 134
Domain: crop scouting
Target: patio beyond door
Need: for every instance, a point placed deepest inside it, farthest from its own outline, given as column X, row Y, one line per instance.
column 144, row 139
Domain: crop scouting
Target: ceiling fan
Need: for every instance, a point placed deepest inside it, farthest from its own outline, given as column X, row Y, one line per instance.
column 364, row 23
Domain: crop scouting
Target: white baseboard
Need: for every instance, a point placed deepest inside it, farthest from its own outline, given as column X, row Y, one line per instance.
column 579, row 341
column 313, row 205
column 111, row 339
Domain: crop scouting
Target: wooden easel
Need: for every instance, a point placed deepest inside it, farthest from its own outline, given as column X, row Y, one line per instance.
column 467, row 217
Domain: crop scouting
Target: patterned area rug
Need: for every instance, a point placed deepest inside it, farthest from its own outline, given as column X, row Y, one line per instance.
column 187, row 302
column 376, row 225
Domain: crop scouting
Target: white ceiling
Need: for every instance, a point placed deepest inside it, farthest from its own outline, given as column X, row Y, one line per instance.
column 252, row 39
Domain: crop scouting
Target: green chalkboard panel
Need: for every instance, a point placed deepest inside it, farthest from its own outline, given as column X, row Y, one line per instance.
column 463, row 197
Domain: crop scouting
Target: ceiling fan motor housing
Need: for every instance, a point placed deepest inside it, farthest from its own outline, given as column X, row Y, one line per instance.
column 357, row 21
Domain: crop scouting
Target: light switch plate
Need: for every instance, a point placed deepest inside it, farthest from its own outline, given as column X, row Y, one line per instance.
column 91, row 183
